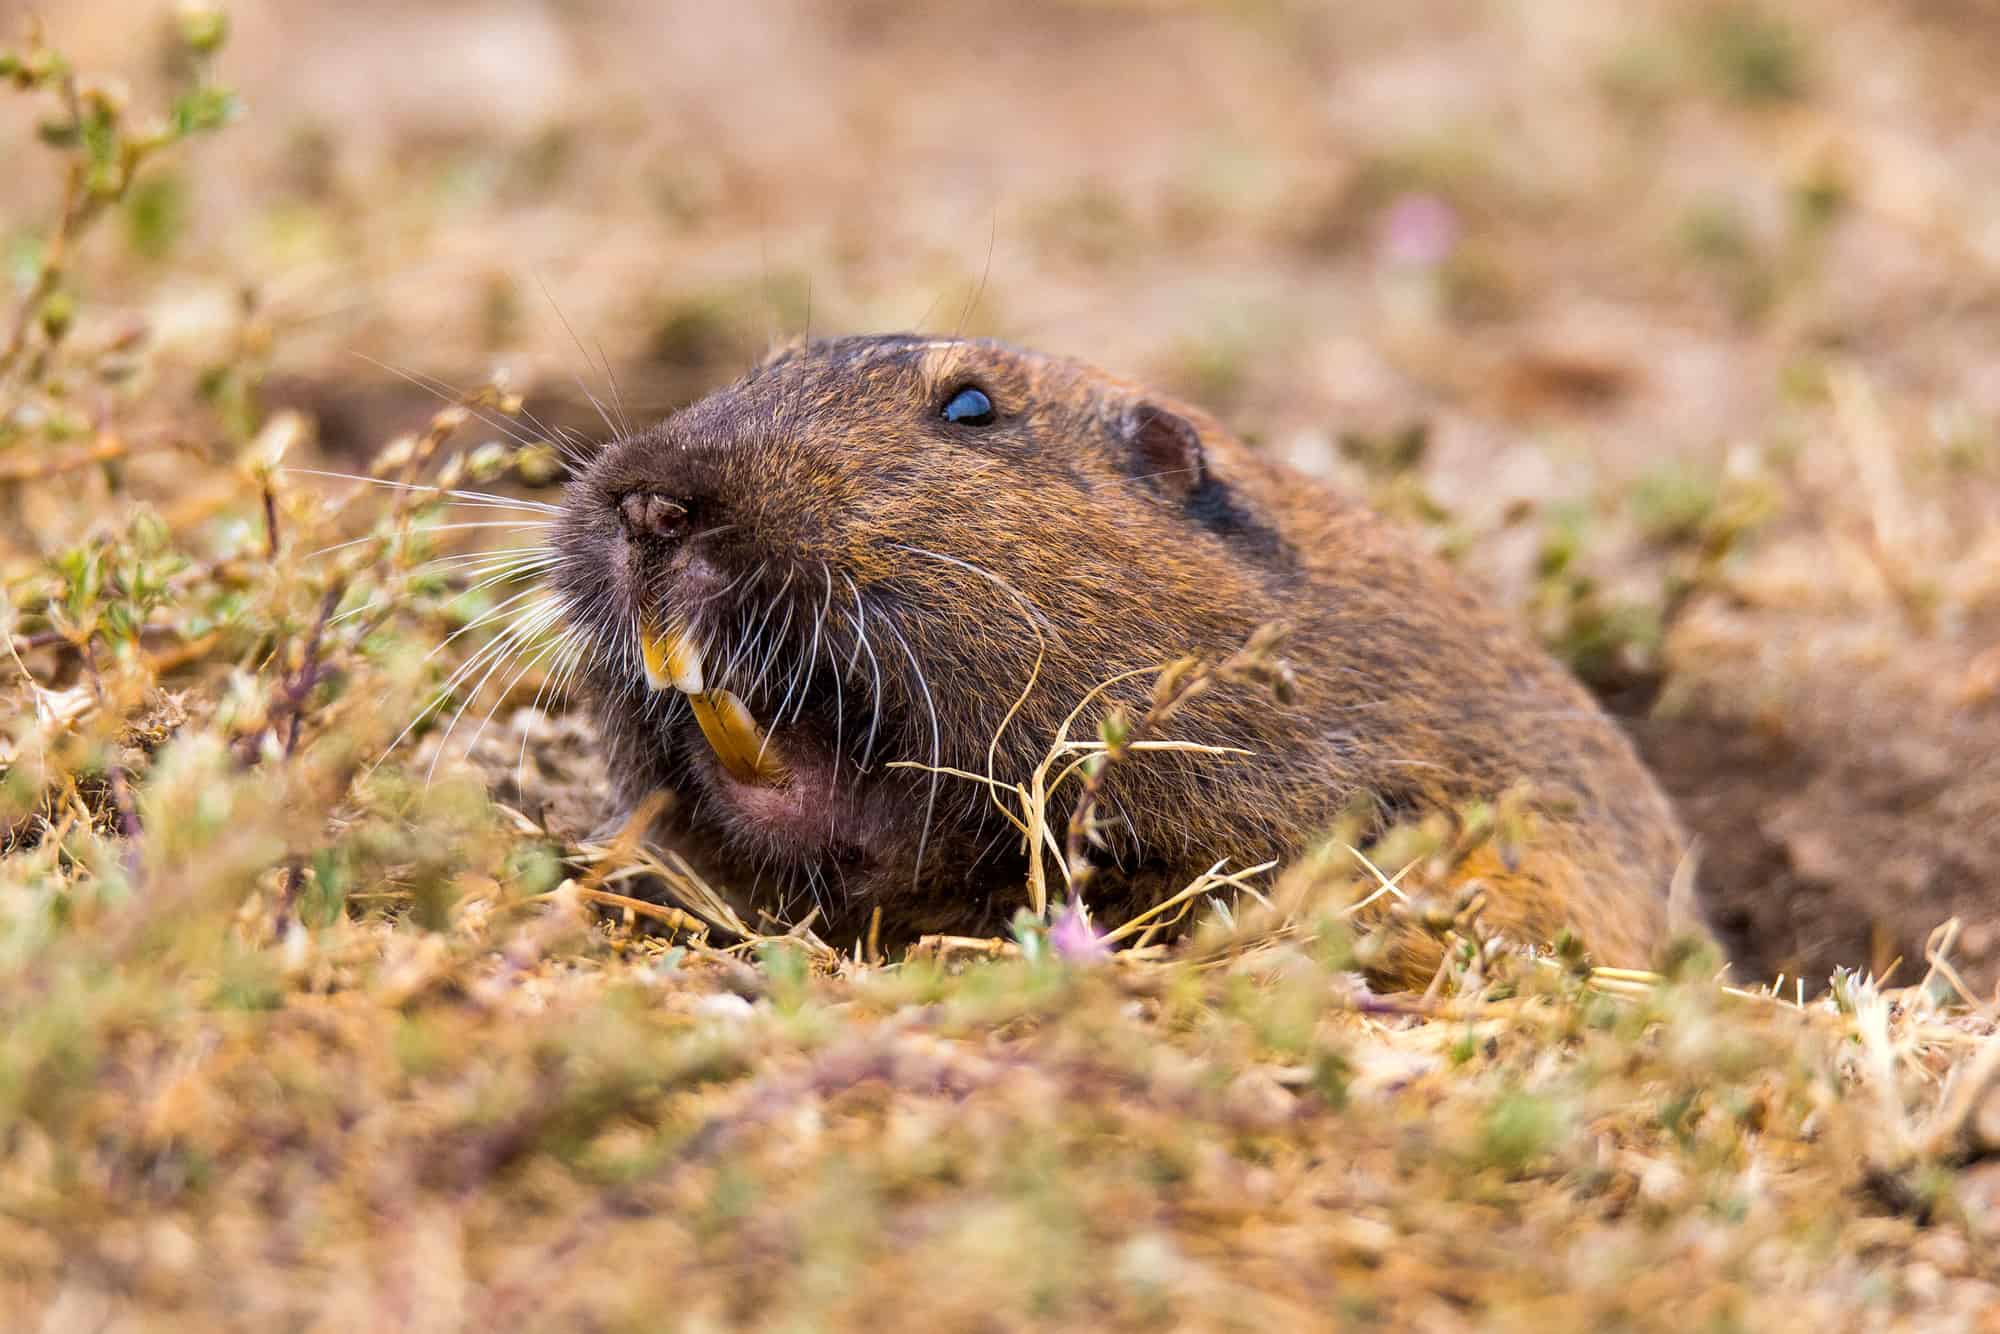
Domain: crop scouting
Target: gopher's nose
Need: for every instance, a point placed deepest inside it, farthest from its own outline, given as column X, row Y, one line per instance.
column 650, row 514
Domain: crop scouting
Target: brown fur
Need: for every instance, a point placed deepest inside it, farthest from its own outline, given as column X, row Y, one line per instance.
column 861, row 551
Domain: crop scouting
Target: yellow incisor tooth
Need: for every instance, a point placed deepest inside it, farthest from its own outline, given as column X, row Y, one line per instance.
column 736, row 738
column 671, row 658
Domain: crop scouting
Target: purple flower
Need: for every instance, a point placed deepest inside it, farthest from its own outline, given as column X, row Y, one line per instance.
column 1419, row 231
column 1072, row 936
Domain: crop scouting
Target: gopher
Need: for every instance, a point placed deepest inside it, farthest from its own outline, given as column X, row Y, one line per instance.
column 815, row 605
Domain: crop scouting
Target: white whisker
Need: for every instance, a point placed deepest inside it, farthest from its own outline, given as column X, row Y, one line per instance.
column 444, row 692
column 514, row 638
column 937, row 749
column 432, row 528
column 582, row 388
column 554, row 644
column 485, row 498
column 874, row 670
column 553, row 685
column 496, row 612
column 445, row 392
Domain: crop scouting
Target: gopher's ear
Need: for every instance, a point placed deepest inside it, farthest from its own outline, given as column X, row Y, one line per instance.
column 1166, row 449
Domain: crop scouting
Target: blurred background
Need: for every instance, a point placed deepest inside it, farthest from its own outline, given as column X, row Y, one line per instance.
column 1674, row 323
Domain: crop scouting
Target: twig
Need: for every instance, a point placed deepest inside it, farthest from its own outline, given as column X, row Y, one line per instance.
column 301, row 685
column 48, row 272
column 659, row 912
column 1965, row 1120
column 104, row 448
column 1178, row 685
column 295, row 694
column 121, row 797
column 270, row 519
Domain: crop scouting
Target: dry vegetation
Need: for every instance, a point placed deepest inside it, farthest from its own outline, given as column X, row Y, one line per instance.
column 1677, row 326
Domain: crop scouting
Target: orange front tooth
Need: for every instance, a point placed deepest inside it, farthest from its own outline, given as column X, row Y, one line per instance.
column 671, row 658
column 736, row 738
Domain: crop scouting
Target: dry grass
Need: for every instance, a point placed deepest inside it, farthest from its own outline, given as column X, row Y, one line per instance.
column 294, row 1035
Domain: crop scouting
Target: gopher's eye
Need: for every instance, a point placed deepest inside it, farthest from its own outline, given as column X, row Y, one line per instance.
column 969, row 407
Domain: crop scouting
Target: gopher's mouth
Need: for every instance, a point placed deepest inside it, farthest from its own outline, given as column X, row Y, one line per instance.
column 780, row 785
column 741, row 744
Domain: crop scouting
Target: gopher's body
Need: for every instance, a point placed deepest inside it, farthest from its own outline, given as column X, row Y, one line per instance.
column 874, row 571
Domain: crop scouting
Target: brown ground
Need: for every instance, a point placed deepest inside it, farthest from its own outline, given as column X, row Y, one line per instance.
column 1699, row 246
